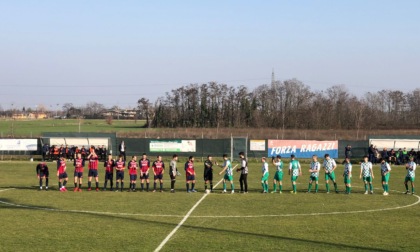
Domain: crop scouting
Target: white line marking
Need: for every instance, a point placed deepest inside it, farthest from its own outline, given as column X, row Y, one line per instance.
column 314, row 214
column 6, row 189
column 210, row 216
column 182, row 221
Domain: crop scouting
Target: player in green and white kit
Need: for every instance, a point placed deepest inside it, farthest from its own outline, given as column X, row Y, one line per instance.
column 314, row 168
column 227, row 167
column 265, row 174
column 294, row 170
column 329, row 166
column 278, row 176
column 367, row 172
column 347, row 174
column 411, row 168
column 385, row 172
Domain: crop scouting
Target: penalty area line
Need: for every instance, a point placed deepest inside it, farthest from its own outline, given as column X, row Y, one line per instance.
column 169, row 236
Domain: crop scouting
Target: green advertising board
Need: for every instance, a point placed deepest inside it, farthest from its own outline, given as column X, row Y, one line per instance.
column 172, row 146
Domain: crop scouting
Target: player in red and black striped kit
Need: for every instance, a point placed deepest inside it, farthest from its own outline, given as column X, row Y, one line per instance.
column 120, row 167
column 158, row 171
column 41, row 173
column 62, row 174
column 109, row 172
column 144, row 164
column 79, row 165
column 132, row 171
column 190, row 174
column 93, row 170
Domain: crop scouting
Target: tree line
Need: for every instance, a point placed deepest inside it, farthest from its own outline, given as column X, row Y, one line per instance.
column 288, row 104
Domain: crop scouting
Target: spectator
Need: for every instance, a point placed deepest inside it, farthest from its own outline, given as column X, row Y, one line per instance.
column 405, row 155
column 371, row 152
column 70, row 154
column 399, row 157
column 103, row 152
column 62, row 151
column 55, row 152
column 99, row 152
column 122, row 148
column 412, row 153
column 96, row 150
column 376, row 156
column 45, row 151
column 84, row 152
column 66, row 151
column 385, row 154
column 347, row 151
column 51, row 152
column 392, row 156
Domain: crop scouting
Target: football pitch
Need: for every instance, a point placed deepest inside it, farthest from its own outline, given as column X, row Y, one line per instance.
column 33, row 220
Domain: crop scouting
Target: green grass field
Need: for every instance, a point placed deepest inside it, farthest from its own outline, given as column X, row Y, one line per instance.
column 35, row 220
column 34, row 128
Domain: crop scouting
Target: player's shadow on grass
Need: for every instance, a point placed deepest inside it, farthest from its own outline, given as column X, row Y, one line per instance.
column 10, row 205
column 130, row 127
column 26, row 187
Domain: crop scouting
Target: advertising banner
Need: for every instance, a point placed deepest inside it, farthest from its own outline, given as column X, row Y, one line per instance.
column 172, row 145
column 302, row 148
column 18, row 144
column 257, row 145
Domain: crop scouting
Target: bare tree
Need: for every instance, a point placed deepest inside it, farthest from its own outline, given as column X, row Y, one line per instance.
column 145, row 109
column 93, row 110
column 41, row 108
column 338, row 96
column 413, row 100
column 66, row 107
column 358, row 117
column 288, row 105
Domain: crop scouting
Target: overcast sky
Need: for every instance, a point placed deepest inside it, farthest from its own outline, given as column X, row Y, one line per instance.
column 115, row 52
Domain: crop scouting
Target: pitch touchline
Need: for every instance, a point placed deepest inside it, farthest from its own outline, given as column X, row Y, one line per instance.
column 182, row 221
